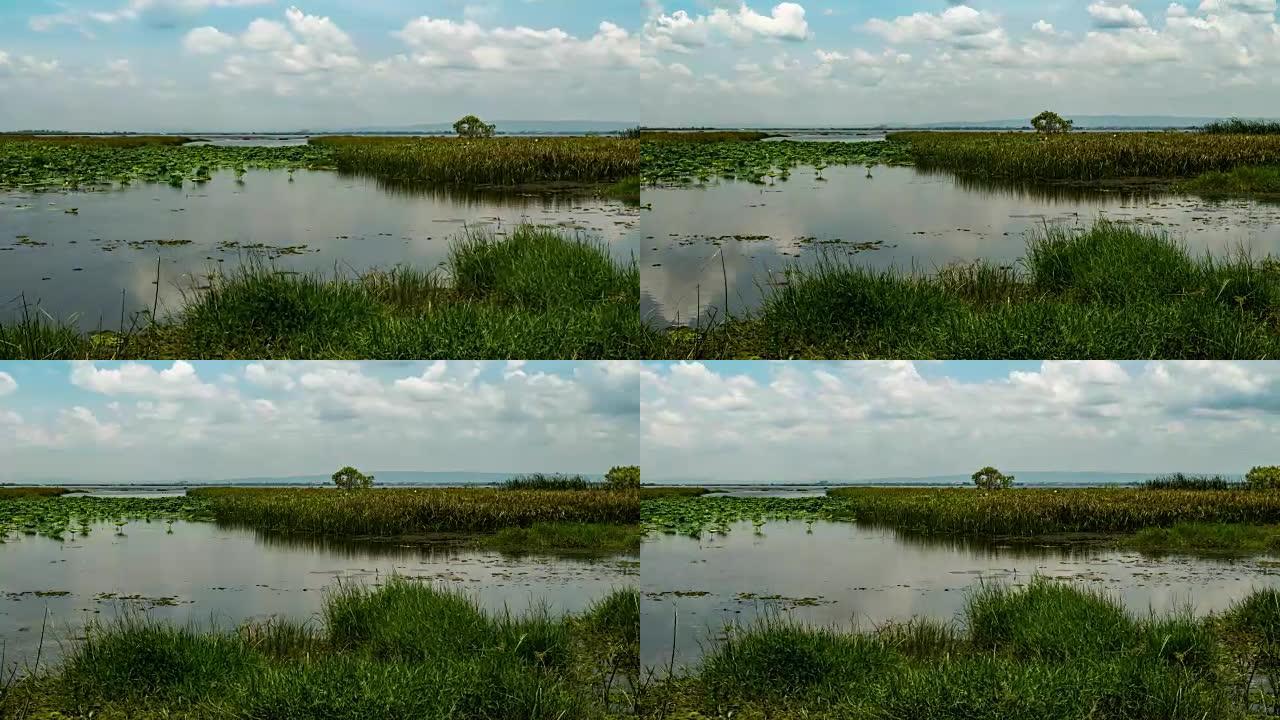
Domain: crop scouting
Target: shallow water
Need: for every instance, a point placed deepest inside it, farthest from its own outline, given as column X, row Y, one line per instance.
column 207, row 574
column 80, row 264
column 854, row 576
column 900, row 217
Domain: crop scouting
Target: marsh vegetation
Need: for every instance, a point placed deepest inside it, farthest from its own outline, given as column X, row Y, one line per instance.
column 1047, row 651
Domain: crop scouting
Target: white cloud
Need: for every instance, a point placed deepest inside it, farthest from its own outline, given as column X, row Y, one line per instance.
column 207, row 41
column 177, row 381
column 1110, row 15
column 862, row 420
column 7, row 384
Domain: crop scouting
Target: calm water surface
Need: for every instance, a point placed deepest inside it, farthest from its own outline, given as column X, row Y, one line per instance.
column 207, row 574
column 900, row 217
column 853, row 576
column 89, row 263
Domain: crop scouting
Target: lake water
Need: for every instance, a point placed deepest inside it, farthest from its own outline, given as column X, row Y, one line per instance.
column 88, row 264
column 900, row 217
column 849, row 575
column 207, row 574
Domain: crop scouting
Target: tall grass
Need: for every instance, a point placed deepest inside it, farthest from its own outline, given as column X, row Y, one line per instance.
column 653, row 493
column 1111, row 292
column 490, row 161
column 1243, row 180
column 543, row 481
column 1040, row 511
column 536, row 294
column 7, row 493
column 1043, row 652
column 1183, row 481
column 399, row 512
column 1088, row 156
column 1239, row 126
column 398, row 651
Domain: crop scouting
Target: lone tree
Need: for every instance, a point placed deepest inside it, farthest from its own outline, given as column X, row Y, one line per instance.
column 1264, row 477
column 989, row 478
column 473, row 127
column 349, row 478
column 623, row 477
column 1051, row 123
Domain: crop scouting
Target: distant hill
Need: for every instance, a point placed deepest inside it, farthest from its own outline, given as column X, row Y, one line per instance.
column 384, row 478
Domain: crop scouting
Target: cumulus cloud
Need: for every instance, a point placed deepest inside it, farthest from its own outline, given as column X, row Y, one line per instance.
column 207, row 41
column 1110, row 15
column 219, row 421
column 863, row 420
column 7, row 384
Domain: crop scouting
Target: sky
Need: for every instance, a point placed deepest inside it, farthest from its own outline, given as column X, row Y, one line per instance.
column 108, row 422
column 915, row 61
column 795, row 422
column 270, row 65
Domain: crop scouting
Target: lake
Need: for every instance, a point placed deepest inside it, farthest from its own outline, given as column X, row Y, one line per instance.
column 207, row 574
column 89, row 265
column 850, row 575
column 698, row 239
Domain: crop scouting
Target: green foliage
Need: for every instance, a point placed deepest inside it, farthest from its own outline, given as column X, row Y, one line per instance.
column 1263, row 477
column 1243, row 180
column 623, row 477
column 402, row 650
column 1239, row 126
column 413, row 511
column 1113, row 292
column 471, row 126
column 687, row 160
column 1183, row 481
column 1051, row 123
column 989, row 478
column 543, row 481
column 494, row 162
column 1086, row 156
column 349, row 478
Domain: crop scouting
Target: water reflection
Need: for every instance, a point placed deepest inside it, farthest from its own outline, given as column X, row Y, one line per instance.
column 100, row 262
column 851, row 575
column 698, row 240
column 204, row 573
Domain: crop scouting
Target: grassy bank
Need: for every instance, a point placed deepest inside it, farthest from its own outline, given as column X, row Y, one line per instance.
column 501, row 161
column 1088, row 156
column 32, row 492
column 1200, row 538
column 536, row 294
column 1245, row 180
column 408, row 512
column 567, row 537
column 653, row 493
column 399, row 651
column 1033, row 512
column 1112, row 292
column 1044, row 652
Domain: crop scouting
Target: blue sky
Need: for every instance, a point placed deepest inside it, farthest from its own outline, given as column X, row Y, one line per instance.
column 850, row 63
column 267, row 64
column 846, row 421
column 200, row 64
column 162, row 421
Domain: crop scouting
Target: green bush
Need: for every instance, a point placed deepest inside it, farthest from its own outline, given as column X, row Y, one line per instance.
column 989, row 478
column 349, row 478
column 1264, row 477
column 623, row 477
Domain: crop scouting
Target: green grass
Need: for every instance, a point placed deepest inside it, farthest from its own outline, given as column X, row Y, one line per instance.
column 535, row 294
column 488, row 162
column 1043, row 652
column 113, row 141
column 543, row 481
column 562, row 537
column 1087, row 157
column 1111, row 292
column 682, row 161
column 406, row 512
column 1238, row 126
column 398, row 651
column 1200, row 538
column 32, row 492
column 1244, row 180
column 653, row 493
column 1183, row 481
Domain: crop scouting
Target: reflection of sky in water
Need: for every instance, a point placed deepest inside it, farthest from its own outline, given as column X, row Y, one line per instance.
column 84, row 261
column 918, row 220
column 866, row 577
column 228, row 576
